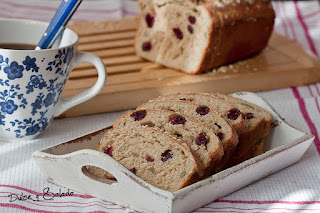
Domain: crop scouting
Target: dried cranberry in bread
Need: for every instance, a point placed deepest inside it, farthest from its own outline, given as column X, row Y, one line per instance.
column 206, row 116
column 152, row 155
column 226, row 110
column 195, row 36
column 199, row 138
column 257, row 121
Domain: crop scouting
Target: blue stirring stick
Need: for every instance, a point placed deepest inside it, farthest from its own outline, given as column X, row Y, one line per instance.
column 58, row 23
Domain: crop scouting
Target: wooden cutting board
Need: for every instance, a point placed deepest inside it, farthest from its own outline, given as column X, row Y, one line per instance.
column 132, row 81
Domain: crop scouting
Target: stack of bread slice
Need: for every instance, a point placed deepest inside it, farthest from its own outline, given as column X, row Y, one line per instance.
column 175, row 140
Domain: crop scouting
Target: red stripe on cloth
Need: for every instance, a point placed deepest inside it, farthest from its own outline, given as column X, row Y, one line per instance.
column 16, row 206
column 53, row 8
column 279, row 14
column 267, row 202
column 103, row 11
column 233, row 211
column 44, row 203
column 130, row 13
column 291, row 26
column 80, row 203
column 317, row 89
column 312, row 14
column 33, row 7
column 41, row 194
column 315, row 26
column 6, row 14
column 74, row 195
column 311, row 93
column 306, row 30
column 107, row 205
column 251, row 209
column 307, row 118
column 283, row 19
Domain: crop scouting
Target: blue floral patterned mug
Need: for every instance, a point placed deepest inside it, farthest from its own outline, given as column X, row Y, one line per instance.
column 32, row 81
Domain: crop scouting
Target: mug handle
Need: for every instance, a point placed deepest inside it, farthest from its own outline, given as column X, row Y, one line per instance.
column 66, row 103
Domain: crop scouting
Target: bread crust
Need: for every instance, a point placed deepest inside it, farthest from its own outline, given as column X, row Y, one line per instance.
column 256, row 150
column 234, row 42
column 249, row 139
column 239, row 29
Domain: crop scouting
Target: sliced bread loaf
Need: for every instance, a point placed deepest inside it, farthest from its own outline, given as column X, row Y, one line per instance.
column 152, row 155
column 206, row 116
column 198, row 137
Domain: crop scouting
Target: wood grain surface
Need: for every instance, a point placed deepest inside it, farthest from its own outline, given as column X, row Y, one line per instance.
column 132, row 81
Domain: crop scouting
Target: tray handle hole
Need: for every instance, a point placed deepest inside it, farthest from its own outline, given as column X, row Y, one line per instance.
column 99, row 174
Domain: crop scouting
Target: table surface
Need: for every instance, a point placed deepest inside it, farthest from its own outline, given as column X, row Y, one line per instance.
column 294, row 189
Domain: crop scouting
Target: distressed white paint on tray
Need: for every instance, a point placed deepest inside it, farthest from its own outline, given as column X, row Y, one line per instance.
column 64, row 165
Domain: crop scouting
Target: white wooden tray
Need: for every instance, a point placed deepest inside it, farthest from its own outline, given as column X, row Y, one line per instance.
column 65, row 165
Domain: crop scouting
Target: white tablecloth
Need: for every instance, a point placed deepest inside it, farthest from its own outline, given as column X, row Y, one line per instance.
column 294, row 189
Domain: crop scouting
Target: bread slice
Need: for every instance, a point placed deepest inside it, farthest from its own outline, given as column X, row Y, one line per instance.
column 194, row 35
column 226, row 110
column 256, row 119
column 254, row 151
column 199, row 138
column 152, row 155
column 206, row 116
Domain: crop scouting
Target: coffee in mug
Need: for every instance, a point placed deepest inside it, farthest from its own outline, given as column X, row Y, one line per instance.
column 18, row 46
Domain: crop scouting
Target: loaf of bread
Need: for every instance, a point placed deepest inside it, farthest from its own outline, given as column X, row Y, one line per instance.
column 199, row 138
column 155, row 157
column 206, row 116
column 198, row 35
